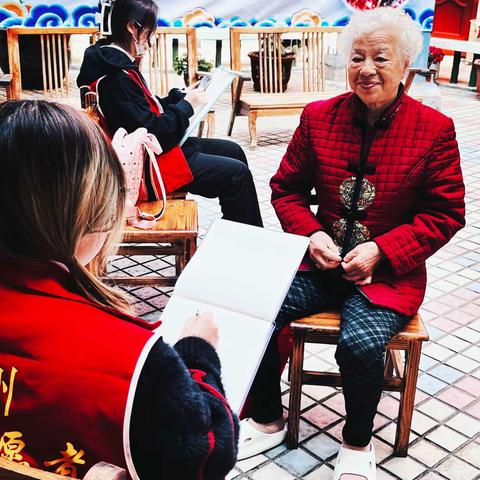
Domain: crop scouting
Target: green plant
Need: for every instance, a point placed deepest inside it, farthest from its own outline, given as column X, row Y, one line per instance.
column 180, row 64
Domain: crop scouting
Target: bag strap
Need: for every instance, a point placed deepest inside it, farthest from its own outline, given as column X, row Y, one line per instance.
column 154, row 163
column 146, row 92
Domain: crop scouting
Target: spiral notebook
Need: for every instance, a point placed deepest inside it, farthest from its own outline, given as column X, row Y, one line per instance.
column 241, row 274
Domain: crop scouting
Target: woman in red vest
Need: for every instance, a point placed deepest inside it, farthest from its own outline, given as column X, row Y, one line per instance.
column 208, row 167
column 82, row 380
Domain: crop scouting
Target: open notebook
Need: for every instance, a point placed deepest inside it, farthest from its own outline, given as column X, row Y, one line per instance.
column 241, row 274
column 214, row 87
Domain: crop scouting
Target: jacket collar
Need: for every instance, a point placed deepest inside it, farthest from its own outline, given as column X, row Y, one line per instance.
column 47, row 278
column 360, row 110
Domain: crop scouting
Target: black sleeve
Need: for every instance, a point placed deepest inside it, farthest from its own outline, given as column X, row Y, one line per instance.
column 181, row 426
column 124, row 105
column 174, row 96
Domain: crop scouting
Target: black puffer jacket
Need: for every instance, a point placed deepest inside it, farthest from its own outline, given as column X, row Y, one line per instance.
column 123, row 103
column 181, row 427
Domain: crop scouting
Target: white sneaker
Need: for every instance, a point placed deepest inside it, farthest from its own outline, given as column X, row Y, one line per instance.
column 253, row 441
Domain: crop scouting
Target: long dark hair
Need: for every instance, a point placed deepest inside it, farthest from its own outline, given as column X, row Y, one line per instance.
column 143, row 13
column 60, row 180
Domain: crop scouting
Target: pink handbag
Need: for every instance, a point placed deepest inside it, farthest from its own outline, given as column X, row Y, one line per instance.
column 132, row 149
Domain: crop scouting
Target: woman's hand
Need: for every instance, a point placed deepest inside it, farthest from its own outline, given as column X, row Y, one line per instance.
column 323, row 251
column 360, row 263
column 193, row 86
column 196, row 98
column 201, row 326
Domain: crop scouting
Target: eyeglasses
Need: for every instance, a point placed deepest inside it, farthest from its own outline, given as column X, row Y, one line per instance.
column 151, row 38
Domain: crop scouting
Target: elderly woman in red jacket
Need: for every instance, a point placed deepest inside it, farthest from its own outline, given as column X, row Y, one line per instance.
column 387, row 179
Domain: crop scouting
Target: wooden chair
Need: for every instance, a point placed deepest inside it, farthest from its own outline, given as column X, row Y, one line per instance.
column 399, row 376
column 55, row 57
column 309, row 72
column 411, row 72
column 175, row 234
column 159, row 62
column 16, row 471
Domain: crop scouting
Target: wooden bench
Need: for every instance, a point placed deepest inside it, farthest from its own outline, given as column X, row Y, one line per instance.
column 175, row 234
column 271, row 100
column 16, row 471
column 399, row 376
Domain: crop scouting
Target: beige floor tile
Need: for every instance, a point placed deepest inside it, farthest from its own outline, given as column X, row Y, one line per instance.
column 456, row 469
column 270, row 472
column 421, row 423
column 471, row 454
column 322, row 473
column 465, row 424
column 446, row 438
column 405, row 468
column 251, row 463
column 427, row 453
column 436, row 409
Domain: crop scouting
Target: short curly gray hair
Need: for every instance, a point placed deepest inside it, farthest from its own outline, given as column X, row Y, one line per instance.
column 394, row 20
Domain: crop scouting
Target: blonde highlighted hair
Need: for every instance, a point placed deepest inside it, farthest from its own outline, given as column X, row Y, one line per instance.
column 60, row 181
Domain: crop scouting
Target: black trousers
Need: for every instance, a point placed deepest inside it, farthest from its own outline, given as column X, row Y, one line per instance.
column 365, row 331
column 220, row 169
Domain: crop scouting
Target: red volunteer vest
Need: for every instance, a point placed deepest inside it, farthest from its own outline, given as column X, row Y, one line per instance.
column 66, row 367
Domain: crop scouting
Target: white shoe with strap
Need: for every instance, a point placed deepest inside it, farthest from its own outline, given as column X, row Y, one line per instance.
column 252, row 441
column 356, row 462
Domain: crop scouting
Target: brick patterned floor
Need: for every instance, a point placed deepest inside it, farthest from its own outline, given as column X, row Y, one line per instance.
column 445, row 439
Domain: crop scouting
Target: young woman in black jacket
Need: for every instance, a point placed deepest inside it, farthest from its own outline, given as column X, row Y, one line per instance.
column 219, row 167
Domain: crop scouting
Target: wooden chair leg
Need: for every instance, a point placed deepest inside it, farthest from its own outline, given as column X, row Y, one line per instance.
column 235, row 105
column 181, row 258
column 211, row 124
column 200, row 129
column 252, row 127
column 388, row 369
column 191, row 248
column 296, row 368
column 407, row 399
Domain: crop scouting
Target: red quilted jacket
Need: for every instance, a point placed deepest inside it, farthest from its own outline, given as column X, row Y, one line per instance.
column 409, row 197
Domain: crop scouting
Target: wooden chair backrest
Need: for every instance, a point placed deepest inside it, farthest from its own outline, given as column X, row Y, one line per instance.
column 159, row 61
column 54, row 51
column 310, row 57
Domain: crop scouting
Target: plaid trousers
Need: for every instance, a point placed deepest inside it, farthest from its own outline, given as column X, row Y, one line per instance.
column 365, row 331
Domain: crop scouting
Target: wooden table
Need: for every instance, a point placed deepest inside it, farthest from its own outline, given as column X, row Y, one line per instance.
column 459, row 46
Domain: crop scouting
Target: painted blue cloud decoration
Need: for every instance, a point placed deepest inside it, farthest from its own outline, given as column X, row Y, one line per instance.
column 81, row 13
column 83, row 16
column 5, row 15
column 46, row 16
column 426, row 19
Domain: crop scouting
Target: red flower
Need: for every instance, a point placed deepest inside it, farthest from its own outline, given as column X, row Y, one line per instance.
column 435, row 55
